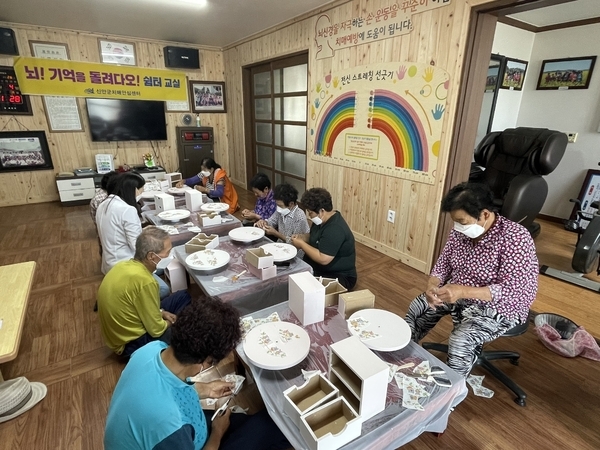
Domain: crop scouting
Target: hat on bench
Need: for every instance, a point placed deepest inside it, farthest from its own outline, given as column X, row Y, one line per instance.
column 18, row 396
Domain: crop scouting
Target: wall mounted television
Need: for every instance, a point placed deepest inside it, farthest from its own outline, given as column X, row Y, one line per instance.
column 126, row 120
column 24, row 151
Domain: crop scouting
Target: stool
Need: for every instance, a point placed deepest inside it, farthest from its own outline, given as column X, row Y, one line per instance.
column 485, row 357
column 176, row 275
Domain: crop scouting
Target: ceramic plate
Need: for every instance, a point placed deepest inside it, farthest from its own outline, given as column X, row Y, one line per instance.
column 246, row 234
column 207, row 259
column 280, row 251
column 174, row 215
column 381, row 330
column 176, row 191
column 214, row 207
column 276, row 345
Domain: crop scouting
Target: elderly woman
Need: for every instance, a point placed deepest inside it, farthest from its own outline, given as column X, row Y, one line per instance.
column 213, row 181
column 485, row 278
column 329, row 246
column 155, row 406
column 265, row 203
column 288, row 219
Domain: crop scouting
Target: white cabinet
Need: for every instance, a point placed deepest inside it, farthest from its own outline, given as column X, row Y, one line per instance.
column 76, row 190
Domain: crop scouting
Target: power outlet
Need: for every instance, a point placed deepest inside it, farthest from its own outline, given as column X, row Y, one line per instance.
column 391, row 217
column 571, row 137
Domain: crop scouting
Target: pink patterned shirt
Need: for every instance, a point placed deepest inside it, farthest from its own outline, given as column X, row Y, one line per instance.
column 504, row 260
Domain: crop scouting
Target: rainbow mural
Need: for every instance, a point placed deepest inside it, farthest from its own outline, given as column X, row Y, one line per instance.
column 338, row 116
column 399, row 122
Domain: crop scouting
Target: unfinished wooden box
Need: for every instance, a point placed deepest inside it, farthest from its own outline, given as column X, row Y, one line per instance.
column 350, row 302
column 298, row 400
column 193, row 199
column 207, row 219
column 360, row 376
column 333, row 289
column 201, row 241
column 330, row 426
column 306, row 298
column 164, row 202
column 176, row 274
column 258, row 258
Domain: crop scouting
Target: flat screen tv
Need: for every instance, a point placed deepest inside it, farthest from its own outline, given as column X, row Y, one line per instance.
column 126, row 120
column 24, row 151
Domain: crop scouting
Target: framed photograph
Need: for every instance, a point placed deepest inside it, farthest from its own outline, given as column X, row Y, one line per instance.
column 122, row 53
column 49, row 50
column 207, row 96
column 494, row 69
column 513, row 76
column 590, row 192
column 566, row 73
column 24, row 151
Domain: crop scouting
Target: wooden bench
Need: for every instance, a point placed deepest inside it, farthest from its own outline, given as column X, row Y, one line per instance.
column 15, row 284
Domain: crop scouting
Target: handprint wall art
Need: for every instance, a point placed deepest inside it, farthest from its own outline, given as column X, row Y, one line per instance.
column 385, row 118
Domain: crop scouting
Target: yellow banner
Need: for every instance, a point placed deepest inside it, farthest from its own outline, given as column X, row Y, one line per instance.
column 38, row 76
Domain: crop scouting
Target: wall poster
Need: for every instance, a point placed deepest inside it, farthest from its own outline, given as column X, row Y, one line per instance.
column 385, row 118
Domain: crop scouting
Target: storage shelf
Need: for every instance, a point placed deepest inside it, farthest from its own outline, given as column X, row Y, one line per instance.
column 345, row 392
column 348, row 377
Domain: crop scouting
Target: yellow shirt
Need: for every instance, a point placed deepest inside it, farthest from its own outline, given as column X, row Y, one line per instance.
column 129, row 305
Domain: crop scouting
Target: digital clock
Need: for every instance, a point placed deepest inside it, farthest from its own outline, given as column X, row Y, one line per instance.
column 11, row 99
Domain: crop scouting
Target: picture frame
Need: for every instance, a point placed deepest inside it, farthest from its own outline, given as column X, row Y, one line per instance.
column 513, row 74
column 207, row 96
column 566, row 73
column 590, row 192
column 49, row 50
column 112, row 52
column 23, row 151
column 493, row 75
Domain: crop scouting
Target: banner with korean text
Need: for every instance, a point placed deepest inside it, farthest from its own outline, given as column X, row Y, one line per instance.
column 38, row 76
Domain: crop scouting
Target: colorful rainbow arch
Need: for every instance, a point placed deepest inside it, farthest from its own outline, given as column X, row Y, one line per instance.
column 397, row 119
column 338, row 116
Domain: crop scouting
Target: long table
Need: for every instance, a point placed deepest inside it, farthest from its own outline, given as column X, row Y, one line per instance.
column 248, row 293
column 390, row 429
column 229, row 223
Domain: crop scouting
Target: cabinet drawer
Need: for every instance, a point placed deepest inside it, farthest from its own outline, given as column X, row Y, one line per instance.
column 80, row 194
column 149, row 176
column 75, row 184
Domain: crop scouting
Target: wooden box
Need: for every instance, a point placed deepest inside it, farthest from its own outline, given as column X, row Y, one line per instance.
column 263, row 274
column 208, row 219
column 176, row 274
column 193, row 200
column 306, row 298
column 173, row 178
column 201, row 242
column 350, row 302
column 258, row 258
column 298, row 400
column 360, row 376
column 332, row 290
column 164, row 202
column 330, row 426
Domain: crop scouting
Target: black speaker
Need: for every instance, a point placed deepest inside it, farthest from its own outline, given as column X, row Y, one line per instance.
column 185, row 58
column 8, row 43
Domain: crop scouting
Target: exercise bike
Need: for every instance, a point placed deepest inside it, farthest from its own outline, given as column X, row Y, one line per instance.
column 587, row 249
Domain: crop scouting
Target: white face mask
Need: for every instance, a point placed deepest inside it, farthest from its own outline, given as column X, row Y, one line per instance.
column 164, row 262
column 317, row 220
column 283, row 211
column 205, row 173
column 472, row 230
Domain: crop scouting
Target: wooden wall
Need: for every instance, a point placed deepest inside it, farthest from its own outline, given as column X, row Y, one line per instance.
column 72, row 150
column 438, row 38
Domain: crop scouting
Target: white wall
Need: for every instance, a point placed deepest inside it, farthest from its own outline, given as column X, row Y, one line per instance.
column 575, row 110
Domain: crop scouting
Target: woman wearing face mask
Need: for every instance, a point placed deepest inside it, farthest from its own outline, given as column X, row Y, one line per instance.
column 265, row 203
column 288, row 219
column 118, row 222
column 485, row 278
column 329, row 246
column 213, row 181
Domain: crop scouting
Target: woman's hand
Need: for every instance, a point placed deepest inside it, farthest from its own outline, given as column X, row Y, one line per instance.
column 298, row 241
column 221, row 424
column 214, row 389
column 431, row 295
column 169, row 317
column 449, row 293
column 179, row 184
column 261, row 224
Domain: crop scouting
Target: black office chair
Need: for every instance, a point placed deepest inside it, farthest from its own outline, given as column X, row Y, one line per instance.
column 485, row 357
column 515, row 160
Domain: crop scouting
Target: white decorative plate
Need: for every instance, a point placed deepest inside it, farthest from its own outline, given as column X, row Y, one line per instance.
column 246, row 234
column 207, row 259
column 176, row 191
column 214, row 207
column 174, row 215
column 280, row 251
column 276, row 345
column 392, row 332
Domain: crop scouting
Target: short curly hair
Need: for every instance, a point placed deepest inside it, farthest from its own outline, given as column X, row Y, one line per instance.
column 205, row 328
column 472, row 198
column 316, row 199
column 286, row 193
